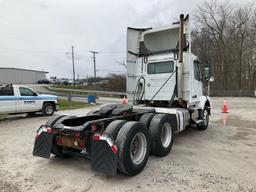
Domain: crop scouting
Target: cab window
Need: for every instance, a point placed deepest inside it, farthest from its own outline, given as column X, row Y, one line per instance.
column 197, row 74
column 6, row 91
column 161, row 67
column 26, row 92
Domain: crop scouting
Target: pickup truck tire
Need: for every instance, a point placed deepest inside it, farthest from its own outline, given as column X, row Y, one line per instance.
column 133, row 143
column 146, row 119
column 48, row 109
column 205, row 118
column 162, row 134
column 114, row 127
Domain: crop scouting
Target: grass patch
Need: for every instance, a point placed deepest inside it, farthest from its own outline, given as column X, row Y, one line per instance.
column 65, row 105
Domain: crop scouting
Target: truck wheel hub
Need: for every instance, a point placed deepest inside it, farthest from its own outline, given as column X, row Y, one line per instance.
column 166, row 135
column 138, row 148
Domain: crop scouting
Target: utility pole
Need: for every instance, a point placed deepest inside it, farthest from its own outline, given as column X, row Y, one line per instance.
column 73, row 62
column 94, row 62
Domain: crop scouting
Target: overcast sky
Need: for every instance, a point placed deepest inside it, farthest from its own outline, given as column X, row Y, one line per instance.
column 36, row 34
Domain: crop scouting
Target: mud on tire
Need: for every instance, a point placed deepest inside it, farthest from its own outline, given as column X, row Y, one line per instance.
column 133, row 142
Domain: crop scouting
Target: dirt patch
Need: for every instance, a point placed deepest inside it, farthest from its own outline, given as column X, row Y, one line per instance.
column 8, row 187
column 222, row 158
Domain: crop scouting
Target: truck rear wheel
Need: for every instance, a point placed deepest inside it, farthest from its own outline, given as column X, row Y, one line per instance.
column 162, row 134
column 133, row 142
column 114, row 127
column 48, row 109
column 146, row 119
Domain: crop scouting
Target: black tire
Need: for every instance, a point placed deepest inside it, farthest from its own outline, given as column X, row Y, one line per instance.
column 146, row 119
column 132, row 132
column 205, row 118
column 48, row 109
column 114, row 127
column 161, row 142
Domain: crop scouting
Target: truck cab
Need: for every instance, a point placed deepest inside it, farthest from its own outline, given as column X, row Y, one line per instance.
column 23, row 99
column 164, row 78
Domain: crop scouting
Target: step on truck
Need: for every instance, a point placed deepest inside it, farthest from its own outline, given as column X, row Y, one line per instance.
column 164, row 87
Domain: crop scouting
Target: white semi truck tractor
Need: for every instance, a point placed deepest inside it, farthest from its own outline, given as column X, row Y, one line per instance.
column 165, row 94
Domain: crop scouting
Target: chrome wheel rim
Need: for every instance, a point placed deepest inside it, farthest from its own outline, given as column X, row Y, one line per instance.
column 138, row 148
column 49, row 109
column 166, row 135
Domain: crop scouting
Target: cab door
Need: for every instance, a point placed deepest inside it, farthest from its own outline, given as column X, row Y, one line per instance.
column 8, row 101
column 160, row 80
column 28, row 100
column 196, row 82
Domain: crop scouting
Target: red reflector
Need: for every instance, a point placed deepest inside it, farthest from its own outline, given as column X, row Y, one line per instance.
column 96, row 137
column 49, row 130
column 59, row 140
column 114, row 149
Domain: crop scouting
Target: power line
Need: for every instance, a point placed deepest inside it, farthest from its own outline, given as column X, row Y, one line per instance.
column 55, row 52
column 35, row 51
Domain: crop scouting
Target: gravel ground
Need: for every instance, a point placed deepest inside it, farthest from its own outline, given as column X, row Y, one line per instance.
column 222, row 158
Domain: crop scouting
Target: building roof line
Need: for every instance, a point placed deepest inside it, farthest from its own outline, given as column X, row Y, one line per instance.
column 23, row 69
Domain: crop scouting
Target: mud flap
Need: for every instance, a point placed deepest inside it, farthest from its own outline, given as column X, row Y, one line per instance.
column 104, row 155
column 43, row 142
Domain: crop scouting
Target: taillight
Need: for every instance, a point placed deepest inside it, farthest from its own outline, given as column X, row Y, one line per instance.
column 59, row 140
column 77, row 135
column 96, row 137
column 49, row 130
column 81, row 144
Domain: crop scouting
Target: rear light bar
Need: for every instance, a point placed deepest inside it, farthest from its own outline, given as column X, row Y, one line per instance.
column 43, row 129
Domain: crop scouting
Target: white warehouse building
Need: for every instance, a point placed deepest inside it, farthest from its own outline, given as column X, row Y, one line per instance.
column 20, row 76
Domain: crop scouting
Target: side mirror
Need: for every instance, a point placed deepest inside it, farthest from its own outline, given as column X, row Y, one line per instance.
column 35, row 94
column 207, row 72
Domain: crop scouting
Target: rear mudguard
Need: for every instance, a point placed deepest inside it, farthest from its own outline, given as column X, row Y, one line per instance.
column 43, row 142
column 104, row 155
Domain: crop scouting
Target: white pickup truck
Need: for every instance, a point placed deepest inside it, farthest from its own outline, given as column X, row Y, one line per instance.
column 22, row 99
